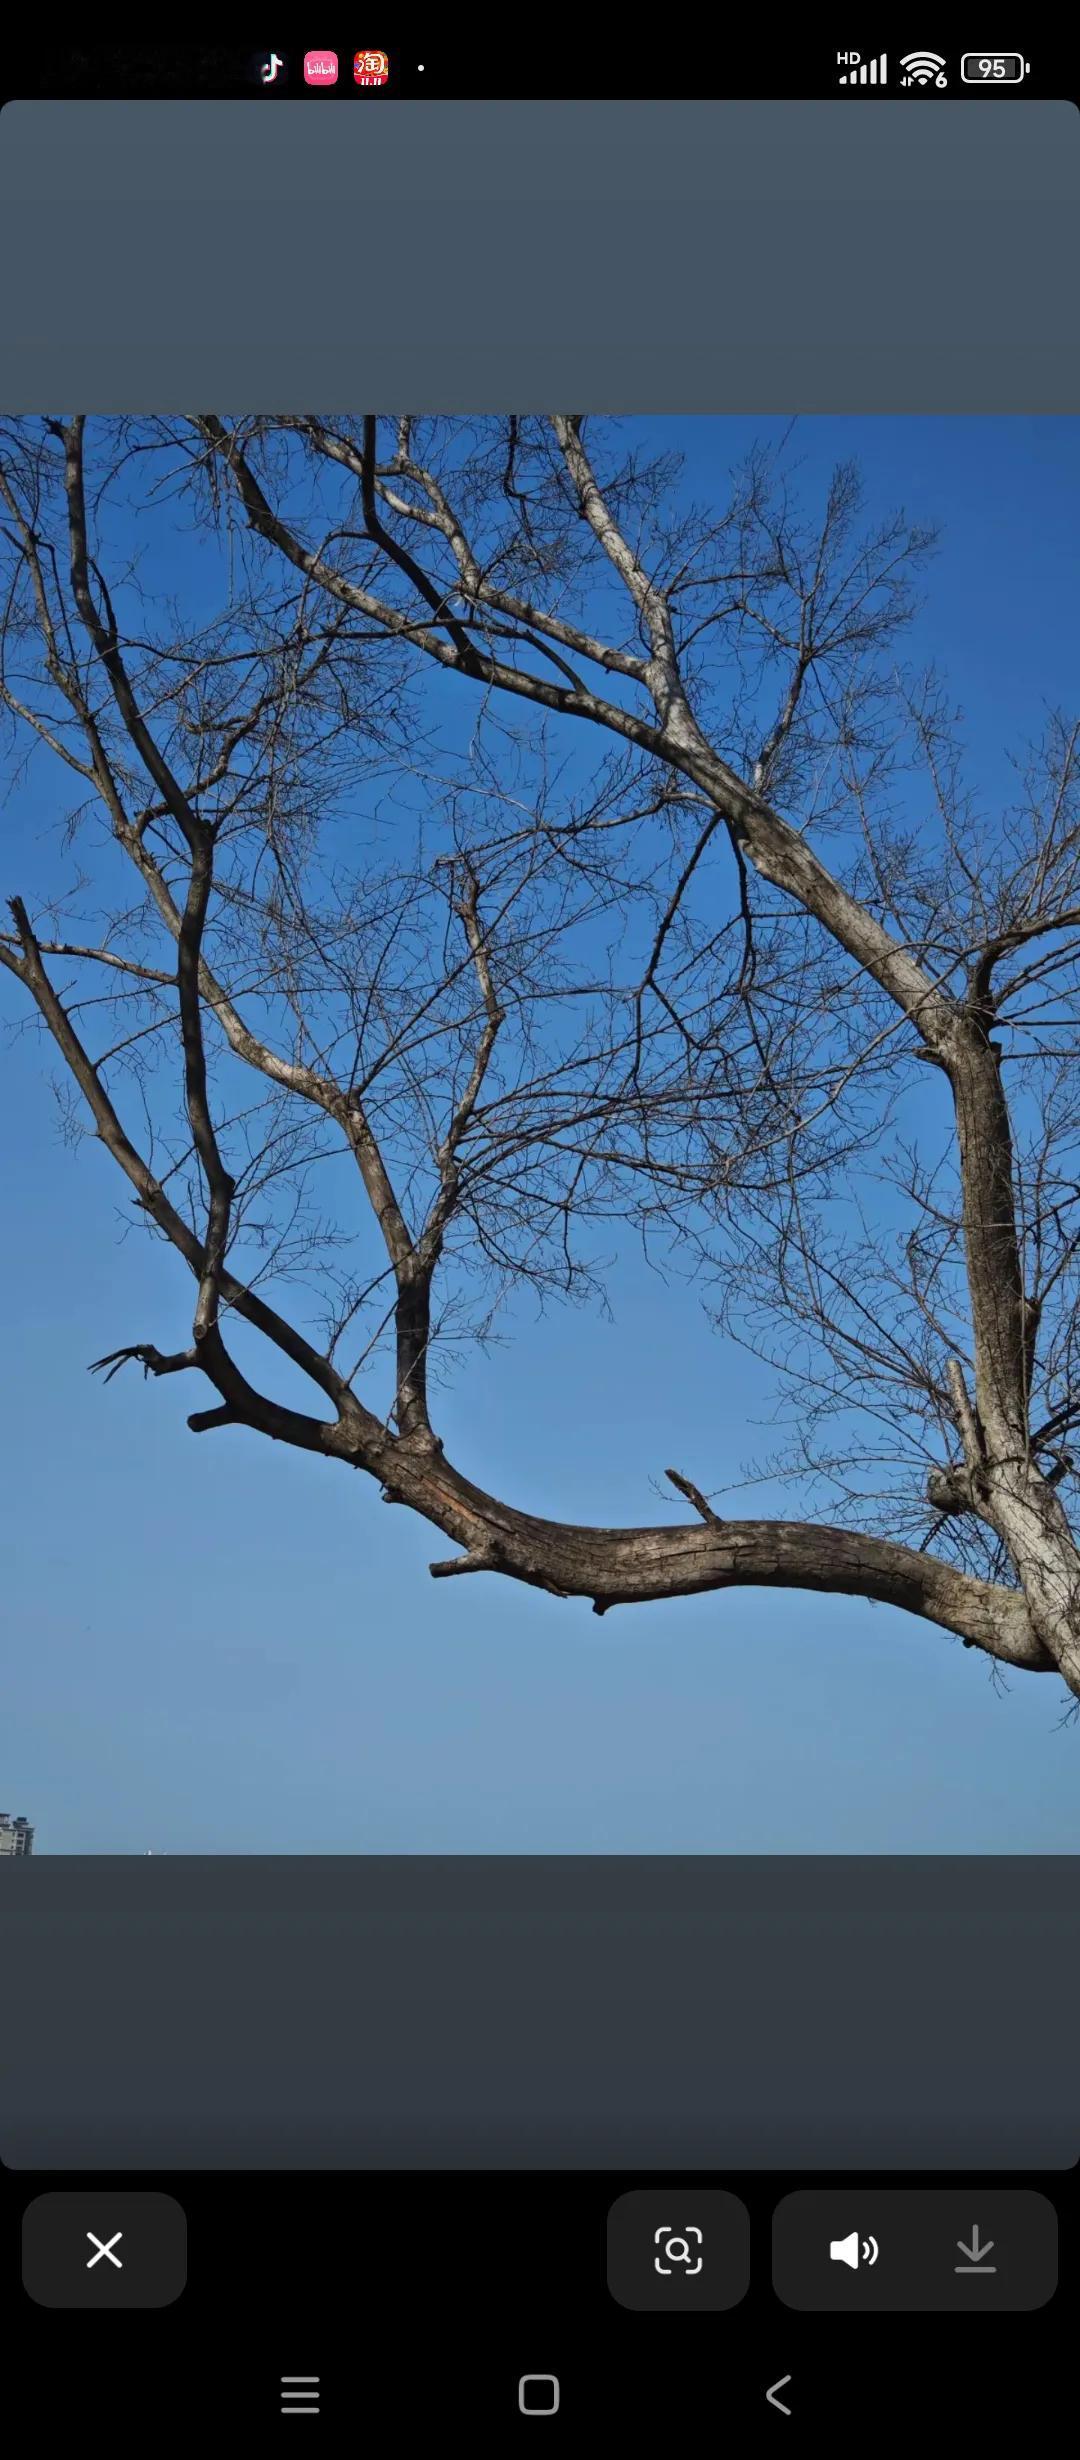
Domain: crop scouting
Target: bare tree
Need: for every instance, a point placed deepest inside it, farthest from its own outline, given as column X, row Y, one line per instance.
column 512, row 853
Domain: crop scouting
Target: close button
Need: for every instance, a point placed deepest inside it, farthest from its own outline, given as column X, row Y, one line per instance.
column 100, row 2248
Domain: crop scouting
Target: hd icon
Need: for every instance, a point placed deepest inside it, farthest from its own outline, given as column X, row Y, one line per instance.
column 854, row 2250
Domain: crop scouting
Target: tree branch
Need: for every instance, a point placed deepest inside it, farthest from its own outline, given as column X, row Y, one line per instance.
column 694, row 1495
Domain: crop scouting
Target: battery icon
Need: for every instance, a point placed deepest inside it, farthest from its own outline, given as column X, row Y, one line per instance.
column 994, row 68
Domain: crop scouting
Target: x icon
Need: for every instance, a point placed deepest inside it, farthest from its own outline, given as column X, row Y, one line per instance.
column 102, row 2249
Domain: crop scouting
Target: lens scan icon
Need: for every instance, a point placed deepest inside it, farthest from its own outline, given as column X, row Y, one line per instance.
column 680, row 2250
column 853, row 2250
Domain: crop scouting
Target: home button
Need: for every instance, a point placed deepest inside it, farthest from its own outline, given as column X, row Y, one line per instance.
column 538, row 2395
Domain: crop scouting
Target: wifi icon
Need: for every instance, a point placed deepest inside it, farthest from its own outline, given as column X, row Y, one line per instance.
column 923, row 68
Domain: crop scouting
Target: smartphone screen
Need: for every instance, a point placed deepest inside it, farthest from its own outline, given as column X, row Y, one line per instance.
column 540, row 1004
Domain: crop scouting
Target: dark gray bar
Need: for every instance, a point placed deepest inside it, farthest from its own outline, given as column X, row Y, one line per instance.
column 649, row 256
column 915, row 2250
column 675, row 2250
column 547, row 2012
column 104, row 2251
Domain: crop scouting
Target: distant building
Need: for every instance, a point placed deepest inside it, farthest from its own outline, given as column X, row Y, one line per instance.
column 16, row 1835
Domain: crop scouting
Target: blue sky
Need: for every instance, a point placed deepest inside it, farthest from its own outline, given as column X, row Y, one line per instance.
column 295, row 1682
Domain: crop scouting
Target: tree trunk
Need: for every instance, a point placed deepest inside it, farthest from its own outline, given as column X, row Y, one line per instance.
column 1029, row 1518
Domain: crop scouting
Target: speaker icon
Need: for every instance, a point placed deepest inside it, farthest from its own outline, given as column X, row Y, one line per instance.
column 853, row 2250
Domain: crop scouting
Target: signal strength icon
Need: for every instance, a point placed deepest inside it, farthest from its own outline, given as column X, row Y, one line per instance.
column 862, row 72
column 923, row 68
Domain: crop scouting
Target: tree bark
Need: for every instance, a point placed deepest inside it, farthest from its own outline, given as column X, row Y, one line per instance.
column 623, row 1567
